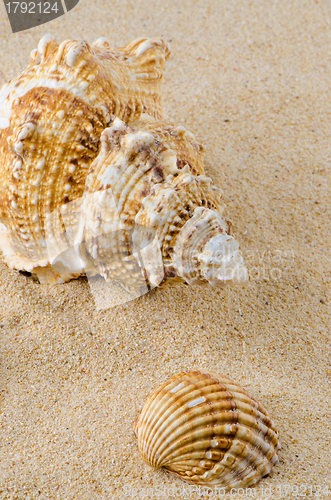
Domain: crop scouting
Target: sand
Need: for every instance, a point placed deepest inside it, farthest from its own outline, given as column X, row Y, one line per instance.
column 251, row 79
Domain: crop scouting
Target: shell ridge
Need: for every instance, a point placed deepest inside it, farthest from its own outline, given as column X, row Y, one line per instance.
column 183, row 443
column 162, row 395
column 185, row 414
column 183, row 425
column 175, row 400
column 169, row 383
column 218, row 407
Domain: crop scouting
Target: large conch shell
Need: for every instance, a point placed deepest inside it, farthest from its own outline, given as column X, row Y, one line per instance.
column 207, row 430
column 94, row 180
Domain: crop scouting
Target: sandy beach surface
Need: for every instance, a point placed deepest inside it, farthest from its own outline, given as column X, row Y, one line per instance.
column 251, row 79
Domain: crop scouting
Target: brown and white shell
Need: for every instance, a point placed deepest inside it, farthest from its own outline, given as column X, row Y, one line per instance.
column 136, row 191
column 51, row 120
column 94, row 180
column 207, row 430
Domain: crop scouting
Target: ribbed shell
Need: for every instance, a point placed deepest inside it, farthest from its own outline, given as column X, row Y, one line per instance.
column 207, row 430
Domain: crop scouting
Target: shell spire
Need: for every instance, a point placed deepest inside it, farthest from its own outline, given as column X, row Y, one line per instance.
column 217, row 258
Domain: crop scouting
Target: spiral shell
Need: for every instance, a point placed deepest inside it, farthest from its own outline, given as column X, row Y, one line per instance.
column 207, row 430
column 94, row 180
column 136, row 192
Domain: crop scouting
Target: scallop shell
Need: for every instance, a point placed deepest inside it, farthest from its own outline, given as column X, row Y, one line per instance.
column 94, row 180
column 207, row 430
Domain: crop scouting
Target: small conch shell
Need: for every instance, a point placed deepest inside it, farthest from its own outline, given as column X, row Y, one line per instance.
column 207, row 430
column 139, row 191
column 95, row 181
